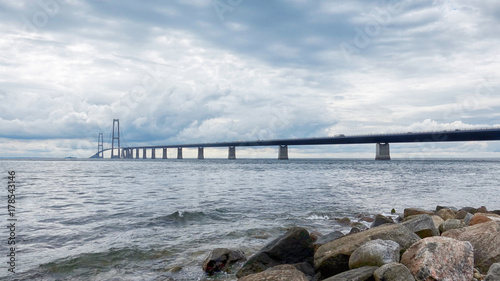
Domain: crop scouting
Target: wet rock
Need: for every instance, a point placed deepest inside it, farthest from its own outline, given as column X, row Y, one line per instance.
column 333, row 258
column 422, row 225
column 366, row 219
column 451, row 224
column 220, row 259
column 416, row 211
column 375, row 253
column 460, row 215
column 315, row 235
column 446, row 214
column 495, row 212
column 440, row 258
column 359, row 226
column 343, row 221
column 327, row 238
column 295, row 246
column 485, row 238
column 493, row 273
column 469, row 210
column 355, row 230
column 483, row 217
column 305, row 268
column 283, row 272
column 393, row 272
column 358, row 274
column 380, row 220
column 445, row 207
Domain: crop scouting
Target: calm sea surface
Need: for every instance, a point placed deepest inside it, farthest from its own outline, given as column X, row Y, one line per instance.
column 154, row 219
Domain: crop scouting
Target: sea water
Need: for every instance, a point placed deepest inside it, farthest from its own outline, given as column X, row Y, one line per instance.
column 112, row 219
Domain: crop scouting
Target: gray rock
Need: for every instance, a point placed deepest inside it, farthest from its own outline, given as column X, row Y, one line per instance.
column 284, row 272
column 460, row 215
column 375, row 253
column 333, row 258
column 493, row 273
column 305, row 268
column 467, row 218
column 295, row 246
column 327, row 238
column 422, row 225
column 469, row 210
column 451, row 224
column 393, row 272
column 380, row 220
column 220, row 259
column 359, row 274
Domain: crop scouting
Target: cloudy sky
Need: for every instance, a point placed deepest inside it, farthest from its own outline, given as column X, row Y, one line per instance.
column 206, row 71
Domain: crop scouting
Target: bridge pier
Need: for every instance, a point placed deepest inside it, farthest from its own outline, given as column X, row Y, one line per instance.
column 137, row 153
column 200, row 153
column 164, row 153
column 283, row 152
column 179, row 153
column 383, row 152
column 144, row 153
column 153, row 153
column 232, row 152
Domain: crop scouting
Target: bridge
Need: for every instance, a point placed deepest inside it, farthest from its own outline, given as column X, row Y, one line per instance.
column 382, row 141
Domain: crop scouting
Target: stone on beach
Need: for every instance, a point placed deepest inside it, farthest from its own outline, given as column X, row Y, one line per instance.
column 446, row 214
column 440, row 258
column 295, row 246
column 380, row 220
column 415, row 211
column 375, row 253
column 284, row 272
column 393, row 272
column 327, row 239
column 485, row 238
column 483, row 217
column 451, row 224
column 220, row 259
column 359, row 274
column 422, row 225
column 333, row 258
column 493, row 273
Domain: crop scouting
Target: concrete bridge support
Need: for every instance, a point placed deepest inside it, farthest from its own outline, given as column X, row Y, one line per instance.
column 164, row 153
column 383, row 152
column 153, row 153
column 179, row 153
column 283, row 152
column 232, row 152
column 137, row 153
column 200, row 153
column 144, row 153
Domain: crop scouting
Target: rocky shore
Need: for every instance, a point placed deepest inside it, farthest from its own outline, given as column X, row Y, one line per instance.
column 443, row 244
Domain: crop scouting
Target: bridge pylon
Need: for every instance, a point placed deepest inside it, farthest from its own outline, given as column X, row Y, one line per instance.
column 115, row 137
column 100, row 146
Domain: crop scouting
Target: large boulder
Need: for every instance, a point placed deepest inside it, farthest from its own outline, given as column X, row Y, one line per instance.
column 359, row 274
column 485, row 238
column 493, row 273
column 393, row 272
column 375, row 253
column 380, row 220
column 284, row 272
column 440, row 258
column 333, row 258
column 422, row 225
column 295, row 246
column 220, row 259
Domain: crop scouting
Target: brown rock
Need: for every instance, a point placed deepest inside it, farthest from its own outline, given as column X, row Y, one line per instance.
column 333, row 258
column 482, row 209
column 440, row 258
column 283, row 272
column 366, row 219
column 437, row 221
column 416, row 211
column 485, row 238
column 483, row 217
column 460, row 215
column 446, row 214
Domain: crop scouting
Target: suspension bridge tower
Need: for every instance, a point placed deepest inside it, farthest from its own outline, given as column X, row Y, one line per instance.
column 116, row 136
column 100, row 146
